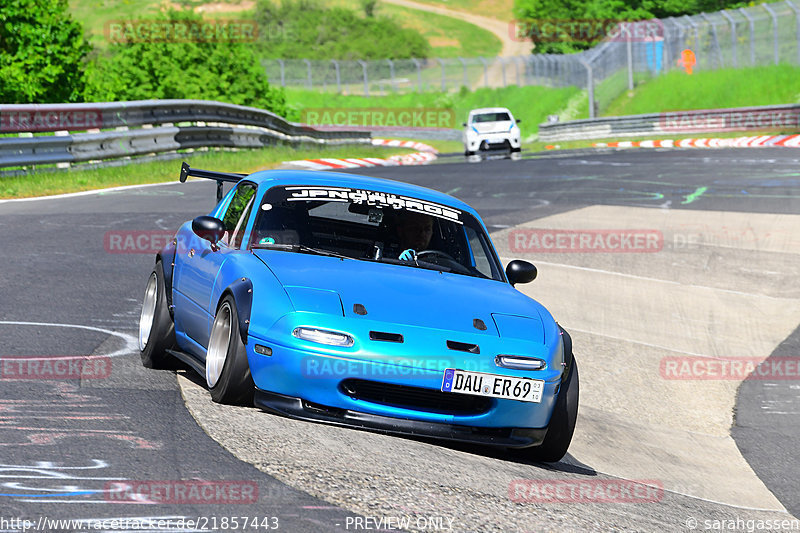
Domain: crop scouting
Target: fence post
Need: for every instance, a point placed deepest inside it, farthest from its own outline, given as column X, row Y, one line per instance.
column 589, row 85
column 308, row 69
column 444, row 84
column 516, row 66
column 464, row 66
column 797, row 23
column 696, row 29
column 485, row 71
column 774, row 32
column 338, row 75
column 366, row 79
column 716, row 40
column 391, row 74
column 419, row 73
column 744, row 12
column 503, row 68
column 732, row 22
column 681, row 39
column 629, row 51
column 283, row 73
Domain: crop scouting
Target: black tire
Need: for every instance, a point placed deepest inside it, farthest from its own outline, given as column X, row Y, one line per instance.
column 562, row 422
column 154, row 343
column 234, row 384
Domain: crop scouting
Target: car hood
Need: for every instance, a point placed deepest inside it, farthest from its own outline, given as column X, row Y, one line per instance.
column 405, row 295
column 493, row 127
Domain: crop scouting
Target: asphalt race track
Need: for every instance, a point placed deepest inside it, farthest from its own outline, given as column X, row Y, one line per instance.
column 721, row 284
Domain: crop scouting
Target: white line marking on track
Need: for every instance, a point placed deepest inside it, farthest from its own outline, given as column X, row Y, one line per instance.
column 131, row 343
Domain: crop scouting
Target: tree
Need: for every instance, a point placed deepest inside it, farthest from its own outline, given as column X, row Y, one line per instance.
column 42, row 52
column 178, row 56
column 533, row 14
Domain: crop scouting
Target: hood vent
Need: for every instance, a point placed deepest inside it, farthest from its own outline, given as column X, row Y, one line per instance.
column 385, row 337
column 463, row 347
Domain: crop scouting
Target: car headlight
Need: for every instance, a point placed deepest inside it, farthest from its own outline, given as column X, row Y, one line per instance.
column 323, row 336
column 518, row 362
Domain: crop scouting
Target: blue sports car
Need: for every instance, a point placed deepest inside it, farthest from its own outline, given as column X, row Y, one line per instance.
column 364, row 302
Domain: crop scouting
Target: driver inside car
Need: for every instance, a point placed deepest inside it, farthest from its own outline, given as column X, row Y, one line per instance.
column 414, row 232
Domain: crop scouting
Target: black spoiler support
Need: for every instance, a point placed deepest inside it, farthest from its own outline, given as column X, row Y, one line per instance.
column 219, row 177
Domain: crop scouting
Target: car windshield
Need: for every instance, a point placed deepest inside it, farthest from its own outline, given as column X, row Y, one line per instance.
column 374, row 226
column 491, row 117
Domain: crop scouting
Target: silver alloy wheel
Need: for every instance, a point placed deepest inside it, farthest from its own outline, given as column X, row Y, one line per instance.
column 218, row 344
column 148, row 311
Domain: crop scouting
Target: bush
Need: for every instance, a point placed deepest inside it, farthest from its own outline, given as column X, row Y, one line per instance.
column 42, row 53
column 305, row 29
column 200, row 69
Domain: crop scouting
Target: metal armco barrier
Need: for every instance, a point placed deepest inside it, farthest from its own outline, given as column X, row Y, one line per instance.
column 783, row 118
column 159, row 127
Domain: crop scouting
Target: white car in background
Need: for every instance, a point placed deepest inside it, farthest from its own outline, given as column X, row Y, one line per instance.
column 491, row 128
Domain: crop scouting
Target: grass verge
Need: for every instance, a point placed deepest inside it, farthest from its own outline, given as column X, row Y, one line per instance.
column 65, row 181
column 715, row 89
column 530, row 104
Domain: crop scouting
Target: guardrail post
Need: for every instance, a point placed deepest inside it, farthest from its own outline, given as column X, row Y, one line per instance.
column 485, row 71
column 744, row 12
column 797, row 23
column 732, row 22
column 589, row 85
column 338, row 75
column 366, row 79
column 774, row 31
column 419, row 73
column 464, row 66
column 444, row 83
column 308, row 68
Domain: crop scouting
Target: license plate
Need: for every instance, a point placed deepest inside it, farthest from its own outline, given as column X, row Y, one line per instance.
column 492, row 385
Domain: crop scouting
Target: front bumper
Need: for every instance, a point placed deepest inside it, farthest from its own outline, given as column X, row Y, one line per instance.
column 491, row 141
column 322, row 379
column 294, row 407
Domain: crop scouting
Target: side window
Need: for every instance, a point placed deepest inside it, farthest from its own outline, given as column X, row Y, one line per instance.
column 479, row 253
column 235, row 218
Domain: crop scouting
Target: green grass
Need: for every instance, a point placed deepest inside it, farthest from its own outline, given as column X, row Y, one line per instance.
column 530, row 104
column 499, row 9
column 677, row 91
column 247, row 161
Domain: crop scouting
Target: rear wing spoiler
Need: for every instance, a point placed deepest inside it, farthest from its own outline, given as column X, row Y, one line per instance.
column 220, row 177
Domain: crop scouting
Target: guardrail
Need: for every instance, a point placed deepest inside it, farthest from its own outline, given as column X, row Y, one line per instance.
column 145, row 127
column 785, row 118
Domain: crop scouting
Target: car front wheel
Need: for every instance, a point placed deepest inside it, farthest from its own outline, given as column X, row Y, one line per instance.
column 227, row 370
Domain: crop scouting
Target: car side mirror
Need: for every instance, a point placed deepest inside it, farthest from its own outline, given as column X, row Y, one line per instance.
column 519, row 271
column 464, row 124
column 519, row 120
column 208, row 228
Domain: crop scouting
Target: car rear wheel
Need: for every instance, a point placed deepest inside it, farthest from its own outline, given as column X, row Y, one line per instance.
column 562, row 422
column 227, row 370
column 156, row 329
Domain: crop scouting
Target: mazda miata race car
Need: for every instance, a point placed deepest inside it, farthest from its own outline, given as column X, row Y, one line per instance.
column 363, row 302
